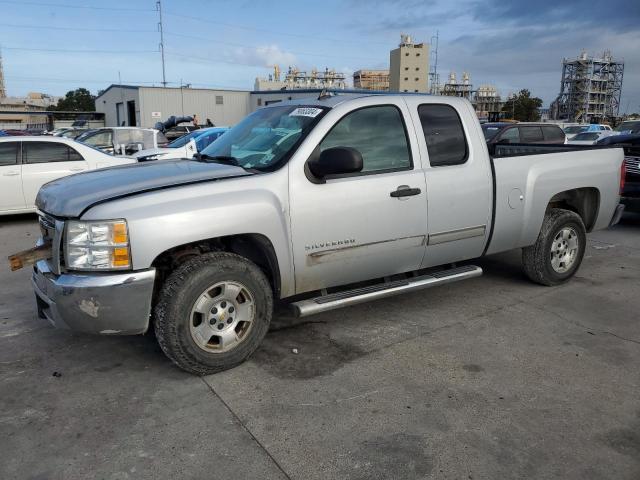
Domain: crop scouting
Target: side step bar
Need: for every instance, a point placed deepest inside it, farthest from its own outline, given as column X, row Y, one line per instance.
column 333, row 301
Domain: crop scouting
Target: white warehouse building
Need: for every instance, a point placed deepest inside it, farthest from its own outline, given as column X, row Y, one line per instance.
column 130, row 105
column 137, row 106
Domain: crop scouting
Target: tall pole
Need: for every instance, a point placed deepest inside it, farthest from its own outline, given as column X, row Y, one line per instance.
column 159, row 8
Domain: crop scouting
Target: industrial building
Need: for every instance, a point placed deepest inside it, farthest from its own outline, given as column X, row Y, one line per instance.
column 371, row 80
column 298, row 79
column 21, row 112
column 455, row 88
column 487, row 102
column 590, row 89
column 409, row 66
column 131, row 105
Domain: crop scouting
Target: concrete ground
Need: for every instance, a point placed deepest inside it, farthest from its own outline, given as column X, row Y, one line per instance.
column 490, row 378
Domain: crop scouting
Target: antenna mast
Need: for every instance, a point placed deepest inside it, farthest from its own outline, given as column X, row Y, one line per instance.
column 159, row 8
column 434, row 88
column 3, row 90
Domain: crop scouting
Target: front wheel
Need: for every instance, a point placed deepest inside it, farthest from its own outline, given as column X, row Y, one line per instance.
column 213, row 312
column 558, row 251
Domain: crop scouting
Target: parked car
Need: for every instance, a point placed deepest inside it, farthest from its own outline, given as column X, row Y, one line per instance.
column 27, row 163
column 178, row 131
column 71, row 133
column 572, row 131
column 371, row 196
column 123, row 140
column 531, row 133
column 3, row 133
column 629, row 127
column 631, row 187
column 184, row 147
column 590, row 138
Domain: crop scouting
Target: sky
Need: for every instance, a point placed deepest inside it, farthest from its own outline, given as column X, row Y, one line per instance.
column 53, row 46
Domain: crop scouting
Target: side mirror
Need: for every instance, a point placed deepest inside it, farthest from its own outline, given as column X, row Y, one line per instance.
column 336, row 161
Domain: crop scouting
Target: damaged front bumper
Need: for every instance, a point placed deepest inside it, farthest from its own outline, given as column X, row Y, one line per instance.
column 106, row 303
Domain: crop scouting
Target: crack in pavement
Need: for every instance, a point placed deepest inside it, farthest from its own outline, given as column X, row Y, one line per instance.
column 578, row 324
column 246, row 429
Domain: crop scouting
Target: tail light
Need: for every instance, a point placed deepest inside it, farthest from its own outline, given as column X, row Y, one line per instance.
column 623, row 174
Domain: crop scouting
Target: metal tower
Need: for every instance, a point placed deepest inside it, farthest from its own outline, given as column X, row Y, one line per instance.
column 3, row 90
column 590, row 89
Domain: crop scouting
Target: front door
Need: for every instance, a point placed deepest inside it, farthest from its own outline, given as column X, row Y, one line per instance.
column 357, row 227
column 11, row 196
column 44, row 162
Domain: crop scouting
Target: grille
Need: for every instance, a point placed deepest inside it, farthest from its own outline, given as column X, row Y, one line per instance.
column 632, row 164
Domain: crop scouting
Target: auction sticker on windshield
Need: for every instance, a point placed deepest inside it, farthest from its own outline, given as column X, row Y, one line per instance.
column 306, row 112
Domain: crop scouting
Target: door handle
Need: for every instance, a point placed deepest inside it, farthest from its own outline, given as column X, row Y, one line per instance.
column 10, row 174
column 405, row 191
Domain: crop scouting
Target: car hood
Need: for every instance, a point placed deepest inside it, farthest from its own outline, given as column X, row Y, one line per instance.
column 157, row 151
column 71, row 196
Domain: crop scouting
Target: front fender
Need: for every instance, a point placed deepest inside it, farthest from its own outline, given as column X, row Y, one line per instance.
column 161, row 220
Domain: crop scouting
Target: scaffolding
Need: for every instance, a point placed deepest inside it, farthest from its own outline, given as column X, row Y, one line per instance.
column 371, row 80
column 590, row 89
column 296, row 79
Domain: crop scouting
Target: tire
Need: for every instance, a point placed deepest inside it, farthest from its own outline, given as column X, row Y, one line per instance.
column 219, row 294
column 560, row 229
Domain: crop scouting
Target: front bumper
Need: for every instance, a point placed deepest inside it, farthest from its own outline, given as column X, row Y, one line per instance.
column 106, row 303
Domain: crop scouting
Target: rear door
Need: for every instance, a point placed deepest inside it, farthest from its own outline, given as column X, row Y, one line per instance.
column 531, row 134
column 43, row 162
column 11, row 195
column 458, row 180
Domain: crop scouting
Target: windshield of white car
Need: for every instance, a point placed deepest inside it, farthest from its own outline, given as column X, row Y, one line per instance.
column 183, row 140
column 267, row 138
column 577, row 129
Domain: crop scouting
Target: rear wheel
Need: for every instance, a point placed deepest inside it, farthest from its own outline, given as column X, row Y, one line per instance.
column 558, row 251
column 213, row 312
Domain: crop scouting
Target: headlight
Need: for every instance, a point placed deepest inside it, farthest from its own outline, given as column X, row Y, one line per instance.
column 97, row 245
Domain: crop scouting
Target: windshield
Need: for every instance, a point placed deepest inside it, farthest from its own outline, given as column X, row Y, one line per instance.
column 628, row 127
column 182, row 141
column 586, row 136
column 490, row 132
column 266, row 138
column 577, row 129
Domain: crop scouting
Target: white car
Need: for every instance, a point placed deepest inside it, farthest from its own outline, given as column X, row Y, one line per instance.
column 27, row 163
column 184, row 147
column 590, row 138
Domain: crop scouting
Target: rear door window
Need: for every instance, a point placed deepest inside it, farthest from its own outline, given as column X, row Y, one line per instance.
column 511, row 135
column 46, row 152
column 530, row 134
column 9, row 153
column 444, row 135
column 553, row 134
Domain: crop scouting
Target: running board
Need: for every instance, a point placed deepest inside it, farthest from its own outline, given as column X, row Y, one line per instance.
column 333, row 301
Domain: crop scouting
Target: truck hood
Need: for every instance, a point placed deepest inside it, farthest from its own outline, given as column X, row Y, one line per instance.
column 71, row 196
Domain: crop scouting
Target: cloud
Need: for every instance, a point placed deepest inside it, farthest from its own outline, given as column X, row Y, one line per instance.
column 620, row 15
column 262, row 56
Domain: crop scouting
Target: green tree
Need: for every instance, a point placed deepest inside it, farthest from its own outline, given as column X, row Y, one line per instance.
column 523, row 107
column 78, row 100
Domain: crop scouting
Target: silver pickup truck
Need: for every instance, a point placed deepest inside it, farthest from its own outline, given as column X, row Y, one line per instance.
column 319, row 203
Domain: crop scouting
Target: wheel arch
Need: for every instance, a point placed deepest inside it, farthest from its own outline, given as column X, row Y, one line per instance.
column 255, row 247
column 583, row 201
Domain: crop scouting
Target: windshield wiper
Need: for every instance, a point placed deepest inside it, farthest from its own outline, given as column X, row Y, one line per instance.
column 225, row 160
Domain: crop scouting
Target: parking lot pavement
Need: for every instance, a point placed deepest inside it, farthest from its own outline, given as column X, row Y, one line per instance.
column 494, row 377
